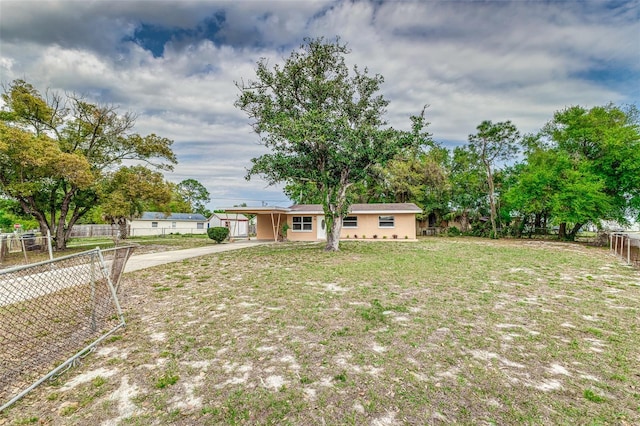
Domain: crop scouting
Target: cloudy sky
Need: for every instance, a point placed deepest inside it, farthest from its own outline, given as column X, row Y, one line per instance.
column 174, row 63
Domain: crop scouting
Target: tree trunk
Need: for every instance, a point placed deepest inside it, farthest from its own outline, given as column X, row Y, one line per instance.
column 123, row 232
column 538, row 221
column 333, row 234
column 574, row 231
column 492, row 201
column 464, row 221
column 562, row 231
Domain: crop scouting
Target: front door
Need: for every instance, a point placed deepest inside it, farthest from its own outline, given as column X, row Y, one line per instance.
column 322, row 227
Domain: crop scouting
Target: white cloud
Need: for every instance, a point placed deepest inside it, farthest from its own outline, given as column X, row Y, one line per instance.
column 469, row 61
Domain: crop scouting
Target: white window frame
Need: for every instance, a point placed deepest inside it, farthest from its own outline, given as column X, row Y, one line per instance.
column 387, row 221
column 173, row 225
column 353, row 219
column 305, row 224
column 154, row 224
column 200, row 225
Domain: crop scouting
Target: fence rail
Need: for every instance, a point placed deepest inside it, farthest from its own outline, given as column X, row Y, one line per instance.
column 52, row 311
column 627, row 246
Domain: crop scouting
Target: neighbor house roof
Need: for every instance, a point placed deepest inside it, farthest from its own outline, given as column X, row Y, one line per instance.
column 183, row 217
column 229, row 216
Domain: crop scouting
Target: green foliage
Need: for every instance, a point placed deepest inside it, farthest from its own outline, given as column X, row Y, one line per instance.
column 374, row 313
column 494, row 143
column 129, row 191
column 593, row 397
column 55, row 154
column 218, row 233
column 453, row 231
column 166, row 379
column 11, row 213
column 468, row 188
column 583, row 167
column 604, row 142
column 195, row 195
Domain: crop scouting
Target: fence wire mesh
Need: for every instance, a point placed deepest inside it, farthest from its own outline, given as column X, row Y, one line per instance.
column 50, row 313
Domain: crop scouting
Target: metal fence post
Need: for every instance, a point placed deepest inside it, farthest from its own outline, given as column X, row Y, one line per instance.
column 49, row 245
column 93, row 293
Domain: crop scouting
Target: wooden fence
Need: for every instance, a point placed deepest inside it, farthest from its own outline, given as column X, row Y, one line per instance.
column 86, row 231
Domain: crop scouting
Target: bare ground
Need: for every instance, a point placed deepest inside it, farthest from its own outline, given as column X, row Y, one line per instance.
column 435, row 332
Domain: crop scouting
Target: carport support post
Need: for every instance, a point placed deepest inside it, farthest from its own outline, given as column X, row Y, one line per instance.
column 628, row 249
column 275, row 227
column 610, row 242
column 618, row 239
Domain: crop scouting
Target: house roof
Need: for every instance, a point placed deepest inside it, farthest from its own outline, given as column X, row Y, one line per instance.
column 230, row 216
column 373, row 208
column 370, row 208
column 183, row 217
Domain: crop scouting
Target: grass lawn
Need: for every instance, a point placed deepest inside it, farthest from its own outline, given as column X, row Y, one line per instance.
column 438, row 331
column 144, row 245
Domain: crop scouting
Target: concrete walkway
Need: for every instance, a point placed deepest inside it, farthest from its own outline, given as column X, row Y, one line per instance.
column 142, row 261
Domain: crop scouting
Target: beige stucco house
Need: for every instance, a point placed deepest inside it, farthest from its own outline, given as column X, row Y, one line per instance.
column 306, row 221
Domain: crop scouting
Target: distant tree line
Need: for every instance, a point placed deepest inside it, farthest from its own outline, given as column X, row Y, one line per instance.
column 582, row 167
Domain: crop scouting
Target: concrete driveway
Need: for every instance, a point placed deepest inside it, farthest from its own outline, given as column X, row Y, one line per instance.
column 142, row 261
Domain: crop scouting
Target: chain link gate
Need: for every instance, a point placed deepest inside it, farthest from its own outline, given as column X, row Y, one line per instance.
column 49, row 311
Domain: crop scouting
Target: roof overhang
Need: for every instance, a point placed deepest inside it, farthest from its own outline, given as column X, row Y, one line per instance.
column 310, row 209
column 257, row 210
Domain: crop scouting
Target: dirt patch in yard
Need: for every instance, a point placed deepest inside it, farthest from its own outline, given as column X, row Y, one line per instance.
column 437, row 331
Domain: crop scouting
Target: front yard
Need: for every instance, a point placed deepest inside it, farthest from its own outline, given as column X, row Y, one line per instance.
column 436, row 331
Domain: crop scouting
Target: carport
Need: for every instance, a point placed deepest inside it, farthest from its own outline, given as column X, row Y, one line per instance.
column 269, row 219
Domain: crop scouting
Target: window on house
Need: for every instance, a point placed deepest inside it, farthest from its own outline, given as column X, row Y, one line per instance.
column 302, row 223
column 200, row 225
column 154, row 224
column 386, row 221
column 173, row 224
column 350, row 222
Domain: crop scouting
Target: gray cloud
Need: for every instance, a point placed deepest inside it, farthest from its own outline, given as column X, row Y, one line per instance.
column 470, row 61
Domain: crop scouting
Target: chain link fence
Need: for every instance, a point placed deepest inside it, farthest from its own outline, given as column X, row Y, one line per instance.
column 52, row 313
column 24, row 247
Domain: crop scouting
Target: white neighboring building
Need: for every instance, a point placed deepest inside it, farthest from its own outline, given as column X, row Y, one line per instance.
column 238, row 224
column 609, row 225
column 157, row 223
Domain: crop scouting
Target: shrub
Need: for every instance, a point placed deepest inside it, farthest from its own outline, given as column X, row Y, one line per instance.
column 218, row 233
column 453, row 231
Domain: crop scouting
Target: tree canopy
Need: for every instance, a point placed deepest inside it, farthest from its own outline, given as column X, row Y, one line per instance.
column 57, row 152
column 492, row 143
column 322, row 124
column 195, row 196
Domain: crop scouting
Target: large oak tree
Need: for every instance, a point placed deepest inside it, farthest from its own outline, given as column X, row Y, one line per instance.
column 56, row 153
column 322, row 124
